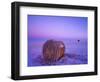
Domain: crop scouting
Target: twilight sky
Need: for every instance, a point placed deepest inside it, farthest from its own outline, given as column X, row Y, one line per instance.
column 57, row 27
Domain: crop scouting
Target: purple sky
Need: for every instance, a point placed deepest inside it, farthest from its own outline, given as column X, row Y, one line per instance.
column 57, row 27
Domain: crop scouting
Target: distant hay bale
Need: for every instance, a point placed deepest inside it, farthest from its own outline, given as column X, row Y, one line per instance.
column 53, row 51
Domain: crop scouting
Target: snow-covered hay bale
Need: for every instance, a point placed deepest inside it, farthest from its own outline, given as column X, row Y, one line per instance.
column 53, row 51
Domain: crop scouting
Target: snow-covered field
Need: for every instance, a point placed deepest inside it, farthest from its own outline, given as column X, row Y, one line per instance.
column 75, row 53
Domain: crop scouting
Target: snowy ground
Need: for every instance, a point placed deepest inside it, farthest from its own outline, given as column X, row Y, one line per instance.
column 68, row 59
column 75, row 53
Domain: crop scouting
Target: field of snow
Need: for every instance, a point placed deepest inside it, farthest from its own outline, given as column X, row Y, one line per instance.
column 75, row 53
